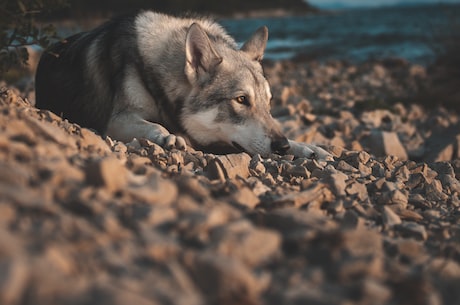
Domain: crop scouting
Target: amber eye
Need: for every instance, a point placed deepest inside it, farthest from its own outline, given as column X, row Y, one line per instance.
column 242, row 99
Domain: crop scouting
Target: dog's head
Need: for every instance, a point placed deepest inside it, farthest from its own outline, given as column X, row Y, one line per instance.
column 230, row 97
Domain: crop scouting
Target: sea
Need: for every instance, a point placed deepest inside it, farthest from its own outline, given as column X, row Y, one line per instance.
column 415, row 33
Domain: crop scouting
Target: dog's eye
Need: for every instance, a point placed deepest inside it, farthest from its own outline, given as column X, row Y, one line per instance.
column 242, row 99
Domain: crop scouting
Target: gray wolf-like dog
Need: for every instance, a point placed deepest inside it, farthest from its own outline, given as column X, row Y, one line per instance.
column 174, row 81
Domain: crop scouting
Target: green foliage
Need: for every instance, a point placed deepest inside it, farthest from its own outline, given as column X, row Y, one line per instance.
column 19, row 29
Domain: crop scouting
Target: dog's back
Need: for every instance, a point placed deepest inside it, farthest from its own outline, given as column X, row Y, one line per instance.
column 77, row 77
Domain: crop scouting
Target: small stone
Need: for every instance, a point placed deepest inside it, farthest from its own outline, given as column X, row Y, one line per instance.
column 257, row 164
column 224, row 280
column 159, row 247
column 408, row 214
column 154, row 190
column 316, row 192
column 298, row 171
column 51, row 132
column 450, row 184
column 390, row 218
column 375, row 292
column 357, row 189
column 245, row 197
column 345, row 167
column 412, row 229
column 242, row 241
column 383, row 143
column 107, row 172
column 351, row 220
column 445, row 267
column 395, row 197
column 93, row 142
column 411, row 250
column 336, row 180
column 14, row 277
column 229, row 166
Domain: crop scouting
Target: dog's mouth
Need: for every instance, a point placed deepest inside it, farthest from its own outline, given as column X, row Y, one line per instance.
column 238, row 146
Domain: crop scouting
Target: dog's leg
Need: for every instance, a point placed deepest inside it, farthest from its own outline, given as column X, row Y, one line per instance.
column 303, row 150
column 127, row 126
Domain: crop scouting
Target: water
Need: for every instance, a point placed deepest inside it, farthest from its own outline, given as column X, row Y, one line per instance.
column 355, row 35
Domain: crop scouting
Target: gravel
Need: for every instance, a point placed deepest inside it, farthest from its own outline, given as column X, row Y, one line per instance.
column 86, row 220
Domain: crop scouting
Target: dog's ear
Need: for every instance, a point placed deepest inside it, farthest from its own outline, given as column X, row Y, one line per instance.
column 255, row 46
column 201, row 58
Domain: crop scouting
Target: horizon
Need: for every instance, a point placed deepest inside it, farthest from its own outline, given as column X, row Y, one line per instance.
column 337, row 4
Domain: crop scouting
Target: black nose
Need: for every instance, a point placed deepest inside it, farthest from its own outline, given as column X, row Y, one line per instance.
column 280, row 145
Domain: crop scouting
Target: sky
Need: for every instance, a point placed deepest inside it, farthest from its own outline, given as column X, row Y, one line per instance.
column 371, row 3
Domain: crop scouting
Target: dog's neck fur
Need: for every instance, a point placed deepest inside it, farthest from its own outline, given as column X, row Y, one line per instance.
column 160, row 55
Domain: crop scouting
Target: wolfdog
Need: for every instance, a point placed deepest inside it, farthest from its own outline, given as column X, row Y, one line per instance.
column 176, row 81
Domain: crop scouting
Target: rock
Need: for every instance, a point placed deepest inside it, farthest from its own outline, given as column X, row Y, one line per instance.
column 93, row 142
column 107, row 172
column 153, row 190
column 224, row 280
column 51, row 132
column 375, row 292
column 317, row 192
column 385, row 143
column 357, row 189
column 351, row 220
column 14, row 277
column 291, row 223
column 336, row 181
column 412, row 229
column 410, row 250
column 390, row 218
column 395, row 197
column 160, row 248
column 229, row 166
column 242, row 241
column 85, row 220
column 245, row 197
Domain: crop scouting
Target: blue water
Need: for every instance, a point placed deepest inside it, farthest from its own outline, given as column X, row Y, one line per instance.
column 356, row 35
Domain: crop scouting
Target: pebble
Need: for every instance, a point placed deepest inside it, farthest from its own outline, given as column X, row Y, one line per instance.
column 86, row 219
column 413, row 230
column 107, row 172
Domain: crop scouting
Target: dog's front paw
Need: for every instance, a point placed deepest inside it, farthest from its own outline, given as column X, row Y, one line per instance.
column 173, row 141
column 303, row 150
column 162, row 137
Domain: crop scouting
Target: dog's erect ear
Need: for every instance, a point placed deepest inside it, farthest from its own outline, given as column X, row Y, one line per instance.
column 201, row 58
column 255, row 46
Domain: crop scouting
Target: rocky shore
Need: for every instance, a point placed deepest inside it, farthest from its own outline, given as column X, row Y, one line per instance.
column 87, row 220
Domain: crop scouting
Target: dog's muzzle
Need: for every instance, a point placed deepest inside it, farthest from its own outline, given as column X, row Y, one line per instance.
column 280, row 145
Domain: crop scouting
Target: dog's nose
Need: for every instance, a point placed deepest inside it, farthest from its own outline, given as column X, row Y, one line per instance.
column 280, row 145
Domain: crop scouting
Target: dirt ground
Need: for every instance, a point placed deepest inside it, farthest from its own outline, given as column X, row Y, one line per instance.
column 87, row 220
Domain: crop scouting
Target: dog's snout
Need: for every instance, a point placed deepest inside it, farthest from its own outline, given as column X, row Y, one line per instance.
column 280, row 145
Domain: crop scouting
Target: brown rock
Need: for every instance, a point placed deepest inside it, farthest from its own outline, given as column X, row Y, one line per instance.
column 51, row 132
column 412, row 229
column 390, row 218
column 14, row 277
column 383, row 143
column 224, row 280
column 317, row 192
column 395, row 197
column 242, row 241
column 229, row 166
column 357, row 189
column 159, row 247
column 336, row 181
column 93, row 142
column 246, row 197
column 154, row 190
column 107, row 172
